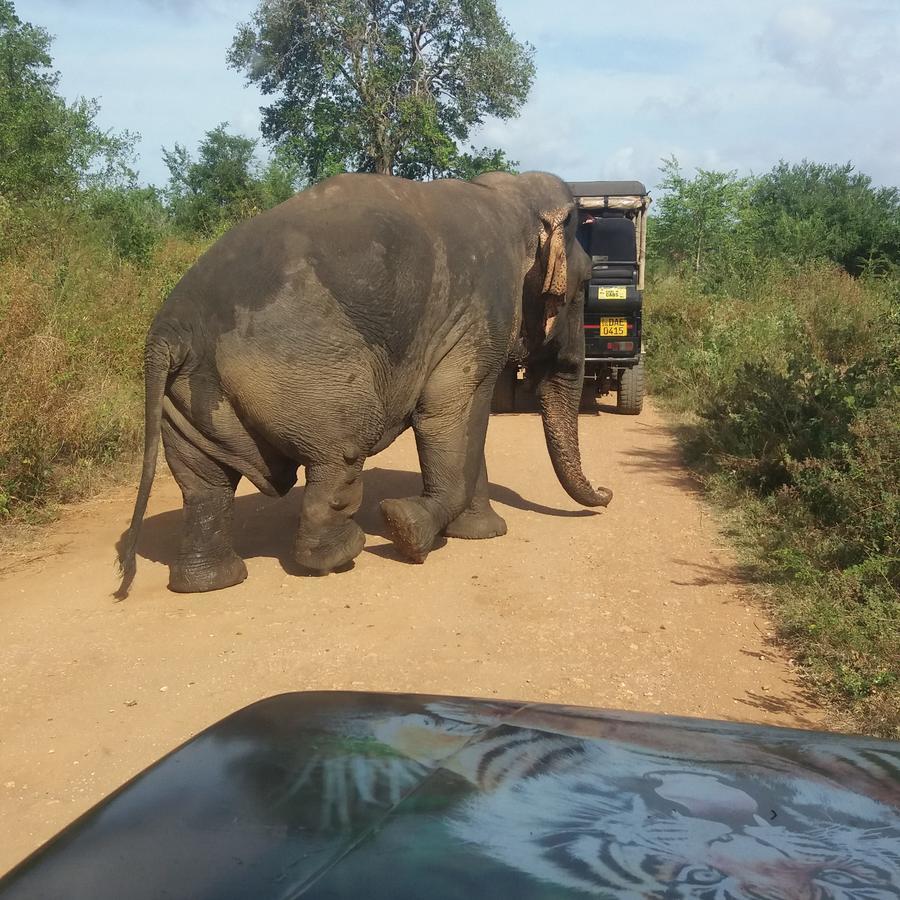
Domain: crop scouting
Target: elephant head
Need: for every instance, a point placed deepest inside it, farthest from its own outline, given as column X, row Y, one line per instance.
column 552, row 335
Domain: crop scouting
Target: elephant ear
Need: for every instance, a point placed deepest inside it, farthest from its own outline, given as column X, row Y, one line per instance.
column 553, row 252
column 553, row 257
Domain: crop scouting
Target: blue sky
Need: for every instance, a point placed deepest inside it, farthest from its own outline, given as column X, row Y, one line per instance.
column 724, row 84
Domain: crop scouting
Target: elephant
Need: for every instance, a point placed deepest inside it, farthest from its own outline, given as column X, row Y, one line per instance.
column 317, row 332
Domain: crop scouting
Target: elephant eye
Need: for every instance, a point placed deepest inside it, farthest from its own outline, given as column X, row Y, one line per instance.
column 568, row 219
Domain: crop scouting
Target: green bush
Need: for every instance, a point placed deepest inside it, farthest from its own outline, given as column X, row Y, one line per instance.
column 792, row 396
column 132, row 220
column 767, row 421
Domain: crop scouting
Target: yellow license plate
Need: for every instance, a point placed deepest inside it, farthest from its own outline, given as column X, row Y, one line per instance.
column 614, row 328
column 612, row 293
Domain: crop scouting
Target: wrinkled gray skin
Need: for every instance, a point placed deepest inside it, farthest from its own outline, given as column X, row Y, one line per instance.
column 317, row 332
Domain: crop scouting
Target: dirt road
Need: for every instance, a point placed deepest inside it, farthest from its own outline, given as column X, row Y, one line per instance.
column 634, row 607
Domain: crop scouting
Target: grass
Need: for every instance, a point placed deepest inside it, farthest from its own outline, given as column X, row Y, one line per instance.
column 73, row 316
column 790, row 388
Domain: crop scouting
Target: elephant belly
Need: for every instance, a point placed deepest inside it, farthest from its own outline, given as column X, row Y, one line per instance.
column 302, row 375
column 311, row 408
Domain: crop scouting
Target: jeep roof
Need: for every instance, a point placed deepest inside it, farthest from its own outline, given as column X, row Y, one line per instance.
column 607, row 189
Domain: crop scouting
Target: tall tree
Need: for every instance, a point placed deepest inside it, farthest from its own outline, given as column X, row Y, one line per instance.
column 46, row 145
column 217, row 186
column 389, row 86
column 697, row 218
column 225, row 182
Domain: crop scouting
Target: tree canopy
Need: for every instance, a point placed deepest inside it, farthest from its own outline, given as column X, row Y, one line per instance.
column 225, row 182
column 389, row 86
column 717, row 225
column 696, row 217
column 807, row 210
column 46, row 145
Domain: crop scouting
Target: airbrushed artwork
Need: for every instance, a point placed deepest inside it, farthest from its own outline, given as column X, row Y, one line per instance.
column 380, row 796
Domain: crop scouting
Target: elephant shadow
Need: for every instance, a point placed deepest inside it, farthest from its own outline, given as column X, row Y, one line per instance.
column 264, row 527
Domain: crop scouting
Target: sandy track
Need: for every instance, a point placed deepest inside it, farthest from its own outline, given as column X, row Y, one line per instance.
column 636, row 607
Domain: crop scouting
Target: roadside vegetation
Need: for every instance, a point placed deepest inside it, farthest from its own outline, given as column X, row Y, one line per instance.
column 774, row 334
column 773, row 305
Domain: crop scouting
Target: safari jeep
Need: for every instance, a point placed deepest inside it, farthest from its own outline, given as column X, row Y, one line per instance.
column 613, row 231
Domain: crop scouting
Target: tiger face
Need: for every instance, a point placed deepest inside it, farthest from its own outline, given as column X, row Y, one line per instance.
column 615, row 819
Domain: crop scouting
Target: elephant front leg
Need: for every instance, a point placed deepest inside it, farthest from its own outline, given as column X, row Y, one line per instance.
column 328, row 537
column 206, row 560
column 479, row 521
column 450, row 435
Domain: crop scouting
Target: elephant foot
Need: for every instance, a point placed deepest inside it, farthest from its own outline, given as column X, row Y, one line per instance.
column 197, row 577
column 329, row 549
column 411, row 526
column 477, row 525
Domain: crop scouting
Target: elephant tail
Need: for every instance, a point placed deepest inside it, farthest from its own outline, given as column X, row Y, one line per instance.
column 158, row 363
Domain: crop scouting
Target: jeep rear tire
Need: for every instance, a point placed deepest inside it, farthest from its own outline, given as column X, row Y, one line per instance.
column 588, row 396
column 630, row 396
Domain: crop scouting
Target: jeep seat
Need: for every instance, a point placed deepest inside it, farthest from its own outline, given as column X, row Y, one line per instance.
column 613, row 251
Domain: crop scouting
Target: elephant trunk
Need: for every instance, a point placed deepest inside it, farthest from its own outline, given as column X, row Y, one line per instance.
column 559, row 395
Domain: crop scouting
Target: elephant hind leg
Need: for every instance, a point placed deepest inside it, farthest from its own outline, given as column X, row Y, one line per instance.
column 327, row 536
column 206, row 561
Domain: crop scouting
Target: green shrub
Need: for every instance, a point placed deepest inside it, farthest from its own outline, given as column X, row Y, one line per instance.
column 132, row 220
column 792, row 396
column 766, row 423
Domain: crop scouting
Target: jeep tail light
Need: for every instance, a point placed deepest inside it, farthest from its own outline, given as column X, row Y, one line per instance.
column 621, row 346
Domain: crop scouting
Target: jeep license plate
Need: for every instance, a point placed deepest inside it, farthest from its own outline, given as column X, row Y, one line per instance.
column 612, row 293
column 614, row 328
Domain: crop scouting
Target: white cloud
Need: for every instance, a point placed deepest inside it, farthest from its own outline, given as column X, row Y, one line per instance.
column 824, row 46
column 719, row 85
column 619, row 87
column 185, row 9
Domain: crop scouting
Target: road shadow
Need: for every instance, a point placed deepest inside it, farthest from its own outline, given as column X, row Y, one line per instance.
column 527, row 404
column 665, row 464
column 798, row 705
column 707, row 575
column 264, row 527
